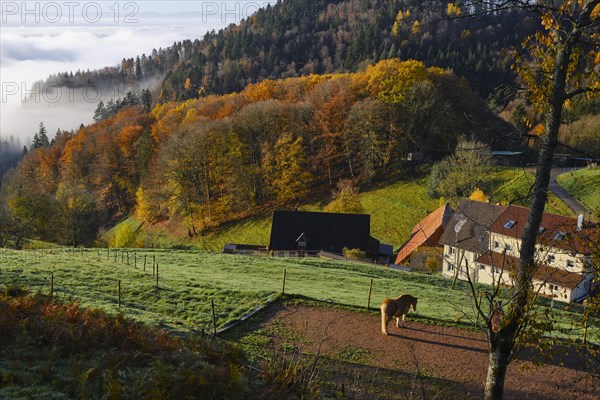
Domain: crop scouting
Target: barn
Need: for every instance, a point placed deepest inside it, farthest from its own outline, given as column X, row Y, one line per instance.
column 316, row 231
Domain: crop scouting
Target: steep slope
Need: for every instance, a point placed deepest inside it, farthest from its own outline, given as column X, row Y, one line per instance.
column 299, row 37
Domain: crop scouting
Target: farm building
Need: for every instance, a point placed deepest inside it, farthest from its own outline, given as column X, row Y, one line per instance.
column 509, row 158
column 483, row 241
column 315, row 231
column 246, row 249
column 422, row 251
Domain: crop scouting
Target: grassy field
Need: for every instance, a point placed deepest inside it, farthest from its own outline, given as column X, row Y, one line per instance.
column 583, row 185
column 513, row 186
column 395, row 208
column 190, row 280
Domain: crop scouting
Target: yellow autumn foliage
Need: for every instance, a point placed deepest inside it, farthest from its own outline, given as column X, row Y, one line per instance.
column 416, row 28
column 389, row 80
column 478, row 195
column 453, row 10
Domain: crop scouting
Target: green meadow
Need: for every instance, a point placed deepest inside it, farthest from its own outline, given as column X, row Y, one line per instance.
column 395, row 206
column 189, row 282
column 583, row 185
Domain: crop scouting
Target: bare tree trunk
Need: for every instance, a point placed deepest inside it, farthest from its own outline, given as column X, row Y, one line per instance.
column 502, row 345
column 499, row 358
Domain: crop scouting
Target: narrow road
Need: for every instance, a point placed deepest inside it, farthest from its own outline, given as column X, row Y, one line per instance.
column 563, row 194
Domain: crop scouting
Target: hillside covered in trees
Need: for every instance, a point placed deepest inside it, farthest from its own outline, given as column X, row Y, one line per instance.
column 299, row 37
column 207, row 161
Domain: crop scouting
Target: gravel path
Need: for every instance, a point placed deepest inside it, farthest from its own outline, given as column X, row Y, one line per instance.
column 446, row 353
column 562, row 194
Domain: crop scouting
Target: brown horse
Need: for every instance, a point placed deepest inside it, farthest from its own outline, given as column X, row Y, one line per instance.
column 394, row 308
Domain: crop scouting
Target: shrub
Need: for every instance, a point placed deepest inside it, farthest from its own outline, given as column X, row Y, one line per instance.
column 355, row 254
column 15, row 291
column 125, row 237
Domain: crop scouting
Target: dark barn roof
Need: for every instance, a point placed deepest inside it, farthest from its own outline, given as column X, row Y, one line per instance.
column 323, row 231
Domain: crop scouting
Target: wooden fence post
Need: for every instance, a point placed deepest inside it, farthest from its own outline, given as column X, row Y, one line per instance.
column 119, row 294
column 156, row 275
column 144, row 263
column 214, row 318
column 369, row 300
column 134, row 260
column 283, row 288
column 51, row 284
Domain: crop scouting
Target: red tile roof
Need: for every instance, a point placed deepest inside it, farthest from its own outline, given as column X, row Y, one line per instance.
column 543, row 273
column 427, row 232
column 553, row 225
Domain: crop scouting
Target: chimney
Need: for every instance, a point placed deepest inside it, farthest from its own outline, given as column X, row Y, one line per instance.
column 580, row 220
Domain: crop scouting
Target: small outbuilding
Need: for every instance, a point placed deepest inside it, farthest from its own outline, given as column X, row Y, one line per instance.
column 422, row 250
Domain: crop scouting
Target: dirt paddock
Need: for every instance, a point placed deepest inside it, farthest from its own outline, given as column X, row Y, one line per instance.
column 445, row 353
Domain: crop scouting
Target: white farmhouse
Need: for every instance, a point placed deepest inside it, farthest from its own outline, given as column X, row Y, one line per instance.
column 485, row 244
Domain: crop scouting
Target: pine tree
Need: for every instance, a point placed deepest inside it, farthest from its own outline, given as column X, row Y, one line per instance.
column 138, row 68
column 146, row 100
column 130, row 100
column 40, row 139
column 100, row 112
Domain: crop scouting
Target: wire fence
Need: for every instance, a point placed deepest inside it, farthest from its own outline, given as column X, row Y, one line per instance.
column 208, row 318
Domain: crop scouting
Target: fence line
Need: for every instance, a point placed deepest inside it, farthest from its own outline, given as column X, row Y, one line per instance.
column 36, row 255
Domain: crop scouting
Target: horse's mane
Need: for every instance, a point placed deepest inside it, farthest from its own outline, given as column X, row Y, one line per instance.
column 407, row 297
column 401, row 303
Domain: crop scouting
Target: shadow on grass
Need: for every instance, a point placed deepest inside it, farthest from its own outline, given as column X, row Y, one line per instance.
column 437, row 343
column 446, row 334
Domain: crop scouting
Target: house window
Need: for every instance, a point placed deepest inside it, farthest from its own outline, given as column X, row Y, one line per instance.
column 509, row 224
column 570, row 264
column 508, row 247
column 496, row 244
column 496, row 270
column 550, row 259
column 559, row 236
column 481, row 267
column 450, row 267
column 302, row 244
column 452, row 250
column 542, row 229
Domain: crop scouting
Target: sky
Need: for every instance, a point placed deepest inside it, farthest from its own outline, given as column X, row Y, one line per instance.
column 39, row 38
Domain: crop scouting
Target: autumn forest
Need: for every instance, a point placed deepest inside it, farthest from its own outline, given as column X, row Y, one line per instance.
column 210, row 160
column 277, row 110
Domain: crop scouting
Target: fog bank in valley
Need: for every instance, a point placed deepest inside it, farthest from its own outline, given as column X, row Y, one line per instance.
column 32, row 51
